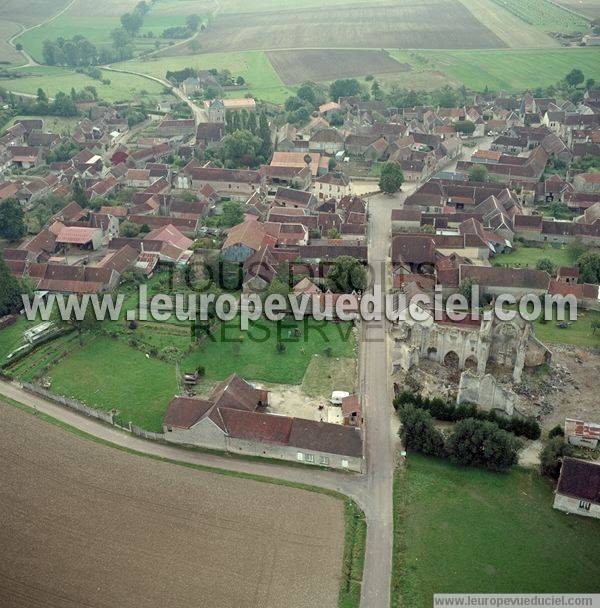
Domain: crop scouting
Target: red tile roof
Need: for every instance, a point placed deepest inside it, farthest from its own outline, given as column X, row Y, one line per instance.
column 254, row 426
column 183, row 412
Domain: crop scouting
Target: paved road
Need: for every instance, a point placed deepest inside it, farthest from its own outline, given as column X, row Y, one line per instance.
column 30, row 60
column 381, row 440
column 198, row 112
column 351, row 485
column 371, row 491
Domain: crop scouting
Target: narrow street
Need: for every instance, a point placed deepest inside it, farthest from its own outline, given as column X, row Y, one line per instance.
column 372, row 490
column 380, row 440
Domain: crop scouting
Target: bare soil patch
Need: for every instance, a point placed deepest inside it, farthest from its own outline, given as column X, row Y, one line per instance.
column 436, row 24
column 86, row 525
column 294, row 67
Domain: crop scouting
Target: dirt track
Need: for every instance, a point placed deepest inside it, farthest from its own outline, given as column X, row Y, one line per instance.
column 83, row 525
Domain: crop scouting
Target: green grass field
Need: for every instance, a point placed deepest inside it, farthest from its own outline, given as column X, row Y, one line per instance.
column 12, row 337
column 461, row 530
column 108, row 374
column 122, row 87
column 510, row 70
column 579, row 333
column 53, row 124
column 261, row 79
column 253, row 354
column 545, row 15
column 525, row 256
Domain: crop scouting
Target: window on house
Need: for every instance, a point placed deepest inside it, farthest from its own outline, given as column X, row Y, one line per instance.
column 344, row 464
column 309, row 458
column 583, row 504
column 300, row 456
column 324, row 460
column 170, row 429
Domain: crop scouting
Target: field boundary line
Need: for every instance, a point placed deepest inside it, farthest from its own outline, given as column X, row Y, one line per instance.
column 349, row 502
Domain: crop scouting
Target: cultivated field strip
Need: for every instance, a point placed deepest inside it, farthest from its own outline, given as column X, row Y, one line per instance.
column 294, row 67
column 86, row 525
column 430, row 24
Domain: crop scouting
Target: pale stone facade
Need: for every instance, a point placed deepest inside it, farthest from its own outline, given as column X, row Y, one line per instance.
column 511, row 345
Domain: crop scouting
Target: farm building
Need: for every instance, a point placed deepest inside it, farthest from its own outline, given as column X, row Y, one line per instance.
column 580, row 433
column 82, row 238
column 234, row 419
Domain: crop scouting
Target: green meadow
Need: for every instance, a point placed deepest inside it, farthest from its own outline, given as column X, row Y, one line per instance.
column 506, row 69
column 122, row 87
column 462, row 530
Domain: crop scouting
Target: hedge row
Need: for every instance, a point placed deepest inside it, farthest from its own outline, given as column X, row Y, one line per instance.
column 527, row 427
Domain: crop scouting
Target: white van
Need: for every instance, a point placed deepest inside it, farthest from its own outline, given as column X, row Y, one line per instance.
column 337, row 396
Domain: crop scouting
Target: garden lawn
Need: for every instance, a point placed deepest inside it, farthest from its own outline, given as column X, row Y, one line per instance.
column 462, row 530
column 12, row 337
column 525, row 256
column 327, row 374
column 108, row 374
column 254, row 356
column 578, row 333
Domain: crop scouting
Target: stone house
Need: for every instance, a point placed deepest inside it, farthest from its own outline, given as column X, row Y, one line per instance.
column 578, row 489
column 295, row 199
column 239, row 184
column 334, row 184
column 246, row 239
column 235, row 419
column 587, row 182
column 328, row 141
column 217, row 109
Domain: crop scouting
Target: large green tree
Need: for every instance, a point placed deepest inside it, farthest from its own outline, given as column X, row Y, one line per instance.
column 589, row 268
column 241, row 148
column 419, row 432
column 348, row 87
column 233, row 214
column 391, row 179
column 12, row 220
column 552, row 454
column 10, row 290
column 575, row 77
column 347, row 275
column 478, row 173
column 482, row 444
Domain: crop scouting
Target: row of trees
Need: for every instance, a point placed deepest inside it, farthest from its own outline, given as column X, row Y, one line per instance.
column 78, row 51
column 472, row 442
column 441, row 410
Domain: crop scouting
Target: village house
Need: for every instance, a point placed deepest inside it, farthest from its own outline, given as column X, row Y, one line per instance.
column 235, row 419
column 217, row 109
column 295, row 199
column 334, row 184
column 587, row 182
column 237, row 184
column 80, row 238
column 578, row 489
column 246, row 239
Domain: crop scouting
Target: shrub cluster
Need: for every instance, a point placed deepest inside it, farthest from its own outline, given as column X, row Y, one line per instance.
column 439, row 409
